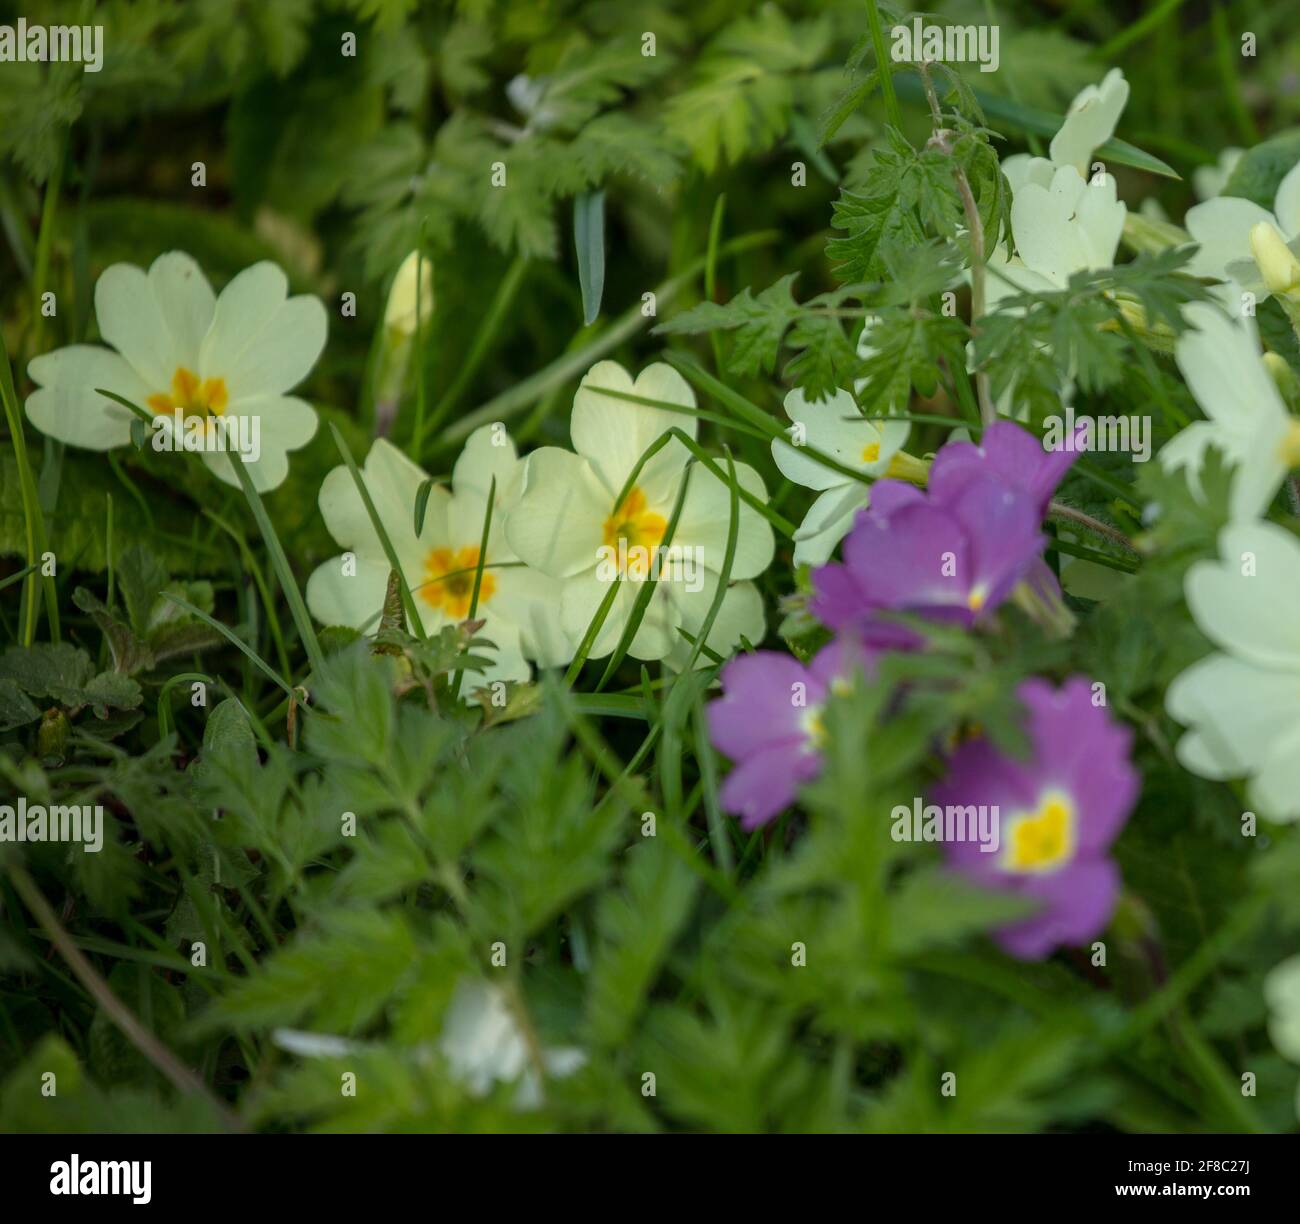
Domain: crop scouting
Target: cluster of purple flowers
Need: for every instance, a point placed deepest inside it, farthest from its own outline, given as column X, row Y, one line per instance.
column 951, row 554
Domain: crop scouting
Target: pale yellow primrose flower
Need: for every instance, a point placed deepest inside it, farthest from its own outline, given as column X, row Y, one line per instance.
column 1242, row 703
column 1248, row 420
column 180, row 347
column 517, row 604
column 1224, row 226
column 569, row 522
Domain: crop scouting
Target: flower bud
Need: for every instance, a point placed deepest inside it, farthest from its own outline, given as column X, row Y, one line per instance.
column 401, row 313
column 1277, row 262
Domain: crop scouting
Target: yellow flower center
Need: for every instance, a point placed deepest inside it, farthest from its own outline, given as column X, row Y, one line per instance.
column 1044, row 839
column 194, row 398
column 449, row 581
column 814, row 727
column 975, row 600
column 634, row 532
column 871, row 452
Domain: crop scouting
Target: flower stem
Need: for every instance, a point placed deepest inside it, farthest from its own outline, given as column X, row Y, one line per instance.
column 941, row 141
column 1069, row 514
column 180, row 1076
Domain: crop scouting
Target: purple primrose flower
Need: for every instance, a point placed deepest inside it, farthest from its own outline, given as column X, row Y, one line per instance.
column 768, row 721
column 951, row 554
column 1058, row 814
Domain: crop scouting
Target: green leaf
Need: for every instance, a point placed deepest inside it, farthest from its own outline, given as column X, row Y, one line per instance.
column 1261, row 169
column 638, row 923
column 760, row 324
column 16, row 708
column 1019, row 118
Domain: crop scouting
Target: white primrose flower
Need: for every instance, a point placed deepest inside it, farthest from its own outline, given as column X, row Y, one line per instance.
column 1231, row 232
column 483, row 1045
column 835, row 427
column 1282, row 994
column 182, row 349
column 1064, row 219
column 1090, row 122
column 517, row 604
column 1248, row 421
column 1242, row 703
column 571, row 524
column 1209, row 181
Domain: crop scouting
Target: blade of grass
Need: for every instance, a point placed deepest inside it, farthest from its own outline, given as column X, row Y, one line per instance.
column 33, row 518
column 280, row 563
column 589, row 243
column 263, row 589
column 478, row 571
column 592, row 632
column 229, row 634
column 711, row 271
column 647, row 589
column 575, row 363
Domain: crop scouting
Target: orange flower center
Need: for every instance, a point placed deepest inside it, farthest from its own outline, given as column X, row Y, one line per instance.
column 635, row 532
column 449, row 581
column 192, row 397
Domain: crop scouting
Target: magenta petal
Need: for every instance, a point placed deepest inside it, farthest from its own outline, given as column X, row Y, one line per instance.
column 920, row 557
column 889, row 496
column 1084, row 753
column 1078, row 902
column 761, row 786
column 836, row 600
column 758, row 706
column 1003, row 526
column 1007, row 453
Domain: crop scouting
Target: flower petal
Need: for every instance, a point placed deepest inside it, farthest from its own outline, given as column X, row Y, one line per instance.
column 1245, row 603
column 557, row 525
column 261, row 341
column 352, row 599
column 614, row 433
column 68, row 407
column 1221, row 227
column 706, row 519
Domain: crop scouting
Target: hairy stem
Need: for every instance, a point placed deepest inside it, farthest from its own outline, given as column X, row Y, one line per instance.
column 942, row 140
column 1069, row 514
